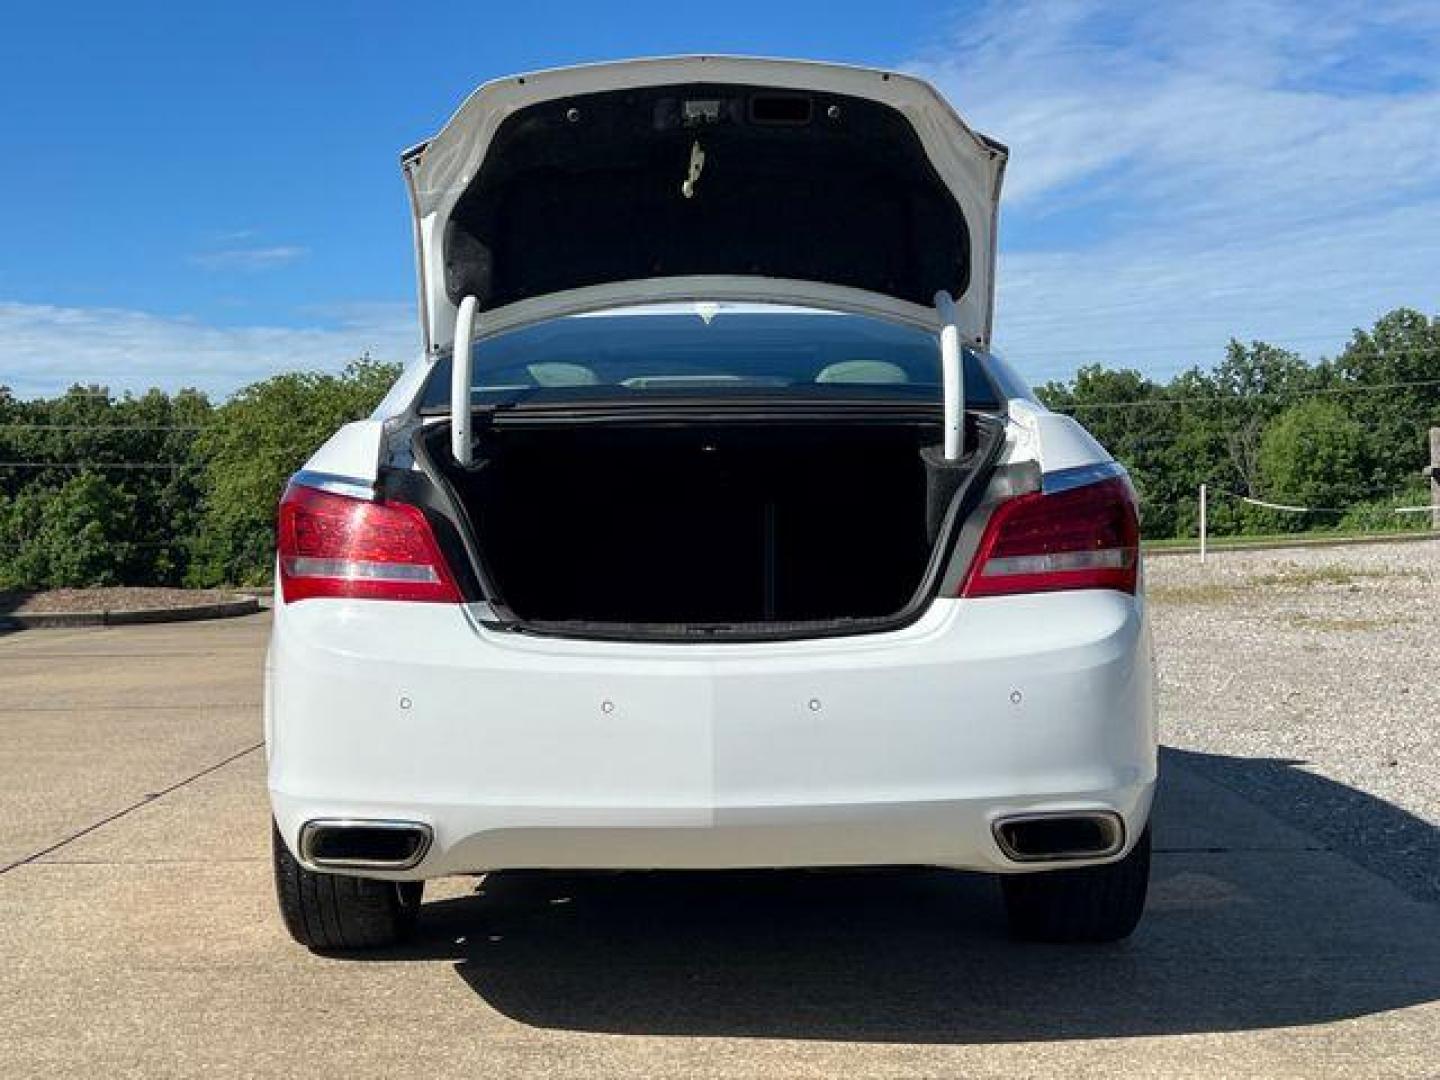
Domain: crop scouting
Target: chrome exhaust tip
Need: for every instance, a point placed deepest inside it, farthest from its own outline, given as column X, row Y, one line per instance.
column 358, row 844
column 1062, row 835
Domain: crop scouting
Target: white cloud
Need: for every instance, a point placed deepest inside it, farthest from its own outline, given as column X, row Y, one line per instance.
column 1166, row 306
column 249, row 258
column 47, row 348
column 1184, row 172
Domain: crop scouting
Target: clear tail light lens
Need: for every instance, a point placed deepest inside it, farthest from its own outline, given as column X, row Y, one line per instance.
column 333, row 545
column 1084, row 538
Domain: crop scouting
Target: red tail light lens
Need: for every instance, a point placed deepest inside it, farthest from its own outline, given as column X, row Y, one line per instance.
column 332, row 545
column 1084, row 538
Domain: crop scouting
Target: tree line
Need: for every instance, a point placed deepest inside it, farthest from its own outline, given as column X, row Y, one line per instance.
column 174, row 489
column 1347, row 436
column 162, row 489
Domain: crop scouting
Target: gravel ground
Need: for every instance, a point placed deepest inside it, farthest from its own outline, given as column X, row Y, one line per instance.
column 69, row 601
column 1309, row 680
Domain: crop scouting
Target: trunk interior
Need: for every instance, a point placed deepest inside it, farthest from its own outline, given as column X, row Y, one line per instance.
column 737, row 527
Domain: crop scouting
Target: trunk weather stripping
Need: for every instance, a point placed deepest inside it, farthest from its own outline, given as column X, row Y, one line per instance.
column 482, row 613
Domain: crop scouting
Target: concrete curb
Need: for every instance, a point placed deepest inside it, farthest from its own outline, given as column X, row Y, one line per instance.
column 224, row 609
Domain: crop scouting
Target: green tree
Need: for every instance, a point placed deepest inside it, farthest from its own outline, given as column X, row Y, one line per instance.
column 1312, row 455
column 137, row 446
column 1400, row 353
column 1251, row 386
column 76, row 534
column 254, row 442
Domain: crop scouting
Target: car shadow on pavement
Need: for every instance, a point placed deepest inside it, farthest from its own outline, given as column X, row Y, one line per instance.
column 1252, row 923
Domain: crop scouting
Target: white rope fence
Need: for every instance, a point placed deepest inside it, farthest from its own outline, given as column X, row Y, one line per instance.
column 1326, row 509
column 1289, row 508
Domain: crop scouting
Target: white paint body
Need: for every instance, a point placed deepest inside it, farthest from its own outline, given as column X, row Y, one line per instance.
column 876, row 749
column 900, row 747
column 881, row 749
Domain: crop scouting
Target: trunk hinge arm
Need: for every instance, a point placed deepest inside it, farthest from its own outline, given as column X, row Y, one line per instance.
column 952, row 376
column 461, row 366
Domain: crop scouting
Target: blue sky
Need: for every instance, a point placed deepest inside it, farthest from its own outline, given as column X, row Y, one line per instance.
column 207, row 194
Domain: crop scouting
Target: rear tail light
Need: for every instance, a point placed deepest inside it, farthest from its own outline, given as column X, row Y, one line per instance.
column 1083, row 538
column 333, row 545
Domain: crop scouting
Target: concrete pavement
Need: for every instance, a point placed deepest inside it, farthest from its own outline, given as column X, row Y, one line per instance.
column 139, row 934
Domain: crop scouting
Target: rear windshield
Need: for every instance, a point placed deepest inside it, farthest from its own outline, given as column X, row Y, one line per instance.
column 802, row 353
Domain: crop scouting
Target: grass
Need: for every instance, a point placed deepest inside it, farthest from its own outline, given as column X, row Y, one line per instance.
column 1293, row 576
column 1299, row 577
column 1209, row 592
column 1310, row 536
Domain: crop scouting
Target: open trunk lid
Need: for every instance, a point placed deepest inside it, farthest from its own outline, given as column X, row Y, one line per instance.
column 704, row 178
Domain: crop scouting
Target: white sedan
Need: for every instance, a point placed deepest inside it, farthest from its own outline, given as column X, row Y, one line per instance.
column 708, row 532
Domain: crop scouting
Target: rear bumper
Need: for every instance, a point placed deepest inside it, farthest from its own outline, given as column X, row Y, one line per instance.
column 902, row 747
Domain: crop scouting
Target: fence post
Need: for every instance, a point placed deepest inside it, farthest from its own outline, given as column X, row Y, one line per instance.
column 1202, row 522
column 1434, row 471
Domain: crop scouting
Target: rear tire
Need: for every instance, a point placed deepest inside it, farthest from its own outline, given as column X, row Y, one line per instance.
column 333, row 912
column 1089, row 904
